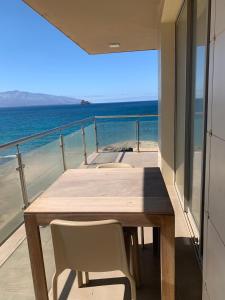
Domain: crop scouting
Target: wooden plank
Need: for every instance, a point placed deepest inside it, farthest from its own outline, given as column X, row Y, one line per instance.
column 126, row 219
column 106, row 190
column 109, row 182
column 167, row 256
column 151, row 205
column 36, row 257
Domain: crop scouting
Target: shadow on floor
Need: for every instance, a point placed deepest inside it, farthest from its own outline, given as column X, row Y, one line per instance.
column 103, row 158
column 68, row 285
column 188, row 275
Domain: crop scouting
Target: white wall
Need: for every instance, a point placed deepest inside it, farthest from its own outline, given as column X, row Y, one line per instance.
column 167, row 101
column 214, row 230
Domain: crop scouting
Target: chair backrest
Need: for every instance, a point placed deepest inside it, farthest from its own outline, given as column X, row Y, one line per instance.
column 114, row 165
column 96, row 246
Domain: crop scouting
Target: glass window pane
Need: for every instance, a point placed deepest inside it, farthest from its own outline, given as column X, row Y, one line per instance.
column 181, row 61
column 198, row 107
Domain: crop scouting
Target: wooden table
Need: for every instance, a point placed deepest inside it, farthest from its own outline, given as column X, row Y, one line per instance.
column 135, row 197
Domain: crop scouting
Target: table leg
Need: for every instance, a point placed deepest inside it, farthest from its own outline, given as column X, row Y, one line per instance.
column 36, row 257
column 167, row 254
column 142, row 237
column 156, row 240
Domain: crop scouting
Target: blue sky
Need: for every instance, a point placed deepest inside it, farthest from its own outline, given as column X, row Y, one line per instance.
column 36, row 57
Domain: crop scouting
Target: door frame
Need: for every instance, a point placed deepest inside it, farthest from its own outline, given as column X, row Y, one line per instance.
column 197, row 233
column 188, row 93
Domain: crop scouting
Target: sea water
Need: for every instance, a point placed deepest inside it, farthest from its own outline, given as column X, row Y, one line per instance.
column 18, row 122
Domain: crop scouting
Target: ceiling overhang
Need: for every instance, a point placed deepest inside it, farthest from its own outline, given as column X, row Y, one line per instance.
column 171, row 10
column 100, row 26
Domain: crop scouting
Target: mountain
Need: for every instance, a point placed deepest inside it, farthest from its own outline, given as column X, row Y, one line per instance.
column 18, row 98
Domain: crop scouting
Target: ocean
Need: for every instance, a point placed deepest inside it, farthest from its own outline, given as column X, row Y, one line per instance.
column 18, row 122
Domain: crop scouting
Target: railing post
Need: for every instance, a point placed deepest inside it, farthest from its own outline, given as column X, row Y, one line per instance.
column 96, row 135
column 23, row 186
column 138, row 135
column 84, row 145
column 63, row 151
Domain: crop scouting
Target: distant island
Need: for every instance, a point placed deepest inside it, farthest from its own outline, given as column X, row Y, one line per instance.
column 19, row 98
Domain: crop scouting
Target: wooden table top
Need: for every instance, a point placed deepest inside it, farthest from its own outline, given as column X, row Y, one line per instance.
column 131, row 190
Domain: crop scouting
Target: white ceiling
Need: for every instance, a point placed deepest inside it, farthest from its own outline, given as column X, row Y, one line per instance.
column 94, row 24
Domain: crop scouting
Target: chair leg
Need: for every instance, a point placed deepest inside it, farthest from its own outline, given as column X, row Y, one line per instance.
column 87, row 277
column 79, row 279
column 127, row 241
column 136, row 258
column 142, row 238
column 132, row 250
column 132, row 287
column 54, row 286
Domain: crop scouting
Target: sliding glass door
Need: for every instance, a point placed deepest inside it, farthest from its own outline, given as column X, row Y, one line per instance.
column 200, row 33
column 191, row 62
column 181, row 78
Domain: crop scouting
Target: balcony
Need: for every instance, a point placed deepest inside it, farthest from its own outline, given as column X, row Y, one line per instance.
column 32, row 164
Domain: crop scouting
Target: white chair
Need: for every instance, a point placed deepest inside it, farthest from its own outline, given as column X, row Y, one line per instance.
column 132, row 251
column 114, row 165
column 89, row 247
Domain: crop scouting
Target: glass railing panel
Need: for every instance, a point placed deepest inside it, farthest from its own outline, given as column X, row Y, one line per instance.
column 115, row 135
column 73, row 149
column 43, row 159
column 90, row 139
column 148, row 134
column 43, row 166
column 11, row 203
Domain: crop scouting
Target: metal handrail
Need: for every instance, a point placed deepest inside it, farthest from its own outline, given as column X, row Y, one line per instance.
column 60, row 128
column 43, row 133
column 125, row 116
column 8, row 156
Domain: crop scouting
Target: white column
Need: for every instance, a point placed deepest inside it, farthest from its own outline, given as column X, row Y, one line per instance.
column 167, row 101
